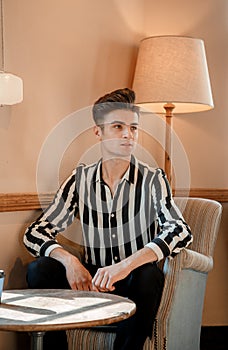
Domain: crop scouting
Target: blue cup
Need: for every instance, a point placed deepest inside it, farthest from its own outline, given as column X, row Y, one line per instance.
column 2, row 277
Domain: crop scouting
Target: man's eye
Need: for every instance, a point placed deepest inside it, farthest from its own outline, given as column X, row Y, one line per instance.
column 117, row 126
column 134, row 128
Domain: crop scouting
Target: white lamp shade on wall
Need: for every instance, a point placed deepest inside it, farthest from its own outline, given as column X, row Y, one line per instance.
column 11, row 86
column 11, row 89
column 172, row 69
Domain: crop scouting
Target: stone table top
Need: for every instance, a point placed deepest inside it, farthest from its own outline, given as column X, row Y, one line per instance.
column 60, row 309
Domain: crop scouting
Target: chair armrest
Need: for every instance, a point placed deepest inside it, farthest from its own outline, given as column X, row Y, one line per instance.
column 196, row 261
column 176, row 270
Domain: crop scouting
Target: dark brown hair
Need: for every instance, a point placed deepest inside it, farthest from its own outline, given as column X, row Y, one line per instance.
column 117, row 99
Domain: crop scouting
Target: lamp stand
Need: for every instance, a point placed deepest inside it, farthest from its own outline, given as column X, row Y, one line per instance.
column 169, row 107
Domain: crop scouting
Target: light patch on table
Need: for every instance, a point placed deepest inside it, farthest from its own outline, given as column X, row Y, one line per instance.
column 54, row 310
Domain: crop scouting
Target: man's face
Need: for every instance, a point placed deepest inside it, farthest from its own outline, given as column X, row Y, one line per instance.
column 118, row 133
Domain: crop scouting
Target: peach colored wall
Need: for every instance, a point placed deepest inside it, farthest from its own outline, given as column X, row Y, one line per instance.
column 68, row 54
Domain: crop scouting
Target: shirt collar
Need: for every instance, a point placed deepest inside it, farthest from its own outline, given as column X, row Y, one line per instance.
column 128, row 176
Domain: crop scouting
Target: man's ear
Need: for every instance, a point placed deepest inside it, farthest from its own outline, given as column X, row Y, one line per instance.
column 97, row 131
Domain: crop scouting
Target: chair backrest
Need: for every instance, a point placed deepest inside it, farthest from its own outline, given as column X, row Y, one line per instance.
column 203, row 216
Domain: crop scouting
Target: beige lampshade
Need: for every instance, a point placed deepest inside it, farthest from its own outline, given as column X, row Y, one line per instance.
column 11, row 89
column 172, row 69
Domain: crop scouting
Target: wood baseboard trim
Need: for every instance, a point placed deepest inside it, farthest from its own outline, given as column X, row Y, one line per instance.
column 33, row 201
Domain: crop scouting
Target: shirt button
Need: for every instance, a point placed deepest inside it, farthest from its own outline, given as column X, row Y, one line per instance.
column 112, row 215
column 115, row 258
column 113, row 236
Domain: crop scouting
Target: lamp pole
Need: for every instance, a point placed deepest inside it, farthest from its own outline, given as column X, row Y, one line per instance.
column 169, row 107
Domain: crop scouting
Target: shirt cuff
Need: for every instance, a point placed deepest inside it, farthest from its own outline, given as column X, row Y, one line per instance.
column 47, row 247
column 50, row 248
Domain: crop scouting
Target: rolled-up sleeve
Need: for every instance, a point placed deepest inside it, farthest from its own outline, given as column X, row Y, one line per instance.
column 173, row 234
column 40, row 236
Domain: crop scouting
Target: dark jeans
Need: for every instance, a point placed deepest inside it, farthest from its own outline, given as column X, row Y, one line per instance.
column 144, row 286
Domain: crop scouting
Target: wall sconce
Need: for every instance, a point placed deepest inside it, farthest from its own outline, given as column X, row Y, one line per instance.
column 171, row 74
column 11, row 86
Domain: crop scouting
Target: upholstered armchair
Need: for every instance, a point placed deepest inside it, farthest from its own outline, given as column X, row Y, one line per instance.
column 178, row 321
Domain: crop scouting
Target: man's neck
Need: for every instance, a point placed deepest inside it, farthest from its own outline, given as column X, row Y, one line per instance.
column 113, row 170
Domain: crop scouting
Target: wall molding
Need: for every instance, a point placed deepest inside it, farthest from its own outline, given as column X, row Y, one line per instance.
column 24, row 201
column 31, row 201
column 217, row 194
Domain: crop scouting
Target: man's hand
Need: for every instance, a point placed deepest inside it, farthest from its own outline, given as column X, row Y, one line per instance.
column 105, row 277
column 77, row 275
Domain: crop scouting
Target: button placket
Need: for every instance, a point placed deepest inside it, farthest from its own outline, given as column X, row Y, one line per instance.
column 115, row 249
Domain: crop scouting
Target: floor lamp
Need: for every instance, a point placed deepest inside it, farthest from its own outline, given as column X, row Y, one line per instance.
column 171, row 76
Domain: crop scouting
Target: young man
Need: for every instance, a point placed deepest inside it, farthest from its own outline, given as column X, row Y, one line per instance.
column 129, row 222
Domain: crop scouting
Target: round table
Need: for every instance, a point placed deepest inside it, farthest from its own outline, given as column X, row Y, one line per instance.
column 39, row 310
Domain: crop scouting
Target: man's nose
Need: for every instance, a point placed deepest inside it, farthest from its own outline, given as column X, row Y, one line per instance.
column 127, row 132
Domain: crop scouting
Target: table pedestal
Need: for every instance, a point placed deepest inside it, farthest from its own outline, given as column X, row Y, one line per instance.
column 37, row 340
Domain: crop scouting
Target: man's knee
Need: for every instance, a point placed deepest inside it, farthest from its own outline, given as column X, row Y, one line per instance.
column 46, row 272
column 149, row 276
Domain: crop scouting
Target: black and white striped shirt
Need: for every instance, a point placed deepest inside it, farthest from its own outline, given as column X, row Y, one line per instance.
column 140, row 213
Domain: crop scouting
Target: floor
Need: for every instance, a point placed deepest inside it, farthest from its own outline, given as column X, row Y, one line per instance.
column 213, row 338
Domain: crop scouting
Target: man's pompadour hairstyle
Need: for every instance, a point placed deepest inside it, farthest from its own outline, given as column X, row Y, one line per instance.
column 118, row 99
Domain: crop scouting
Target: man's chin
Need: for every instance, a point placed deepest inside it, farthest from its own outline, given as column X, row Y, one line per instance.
column 121, row 156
